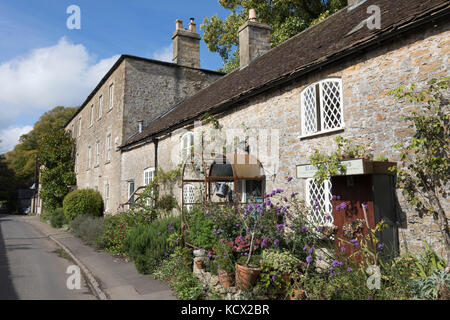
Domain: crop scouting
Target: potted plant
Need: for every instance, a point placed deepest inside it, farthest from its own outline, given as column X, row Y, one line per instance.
column 225, row 263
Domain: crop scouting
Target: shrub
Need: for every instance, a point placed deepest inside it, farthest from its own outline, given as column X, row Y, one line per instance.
column 116, row 231
column 435, row 286
column 89, row 229
column 167, row 203
column 57, row 218
column 201, row 229
column 147, row 245
column 83, row 201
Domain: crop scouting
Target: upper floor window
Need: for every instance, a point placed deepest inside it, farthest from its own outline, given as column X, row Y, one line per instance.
column 89, row 157
column 322, row 107
column 100, row 106
column 79, row 126
column 108, row 147
column 111, row 96
column 187, row 144
column 92, row 115
column 97, row 153
column 149, row 174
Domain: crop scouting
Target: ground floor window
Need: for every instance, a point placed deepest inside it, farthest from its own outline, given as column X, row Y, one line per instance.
column 188, row 195
column 318, row 198
column 131, row 191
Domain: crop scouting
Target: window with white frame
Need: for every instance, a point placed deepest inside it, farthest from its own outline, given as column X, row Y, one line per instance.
column 322, row 107
column 107, row 196
column 111, row 96
column 187, row 144
column 97, row 153
column 89, row 157
column 149, row 175
column 91, row 115
column 188, row 196
column 318, row 199
column 79, row 126
column 131, row 191
column 108, row 147
column 100, row 106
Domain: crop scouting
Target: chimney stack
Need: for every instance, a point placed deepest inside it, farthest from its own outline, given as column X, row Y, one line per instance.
column 254, row 39
column 186, row 45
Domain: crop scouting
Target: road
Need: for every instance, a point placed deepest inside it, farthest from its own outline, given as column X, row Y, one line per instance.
column 31, row 265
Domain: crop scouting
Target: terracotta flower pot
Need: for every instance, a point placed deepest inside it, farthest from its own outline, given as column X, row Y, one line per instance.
column 226, row 279
column 298, row 294
column 246, row 276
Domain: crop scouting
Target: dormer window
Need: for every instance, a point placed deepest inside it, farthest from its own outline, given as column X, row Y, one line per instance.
column 322, row 107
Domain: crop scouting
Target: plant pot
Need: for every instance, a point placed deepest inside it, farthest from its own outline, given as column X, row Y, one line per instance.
column 226, row 279
column 246, row 276
column 298, row 294
column 199, row 264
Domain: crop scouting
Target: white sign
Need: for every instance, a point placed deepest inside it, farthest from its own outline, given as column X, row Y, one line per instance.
column 355, row 166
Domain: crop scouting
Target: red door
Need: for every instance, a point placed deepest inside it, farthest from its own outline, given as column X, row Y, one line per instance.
column 349, row 194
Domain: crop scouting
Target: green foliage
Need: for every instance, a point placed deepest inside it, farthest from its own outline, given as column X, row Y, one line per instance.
column 116, row 231
column 8, row 185
column 167, row 203
column 89, row 229
column 83, row 201
column 22, row 158
column 201, row 228
column 57, row 218
column 187, row 286
column 428, row 262
column 286, row 17
column 435, row 286
column 147, row 245
column 423, row 173
column 224, row 257
column 57, row 173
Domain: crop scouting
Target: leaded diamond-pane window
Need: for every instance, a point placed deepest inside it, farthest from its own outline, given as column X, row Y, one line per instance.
column 322, row 108
column 188, row 195
column 318, row 199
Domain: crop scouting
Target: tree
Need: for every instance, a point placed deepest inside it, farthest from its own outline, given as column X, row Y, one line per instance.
column 57, row 162
column 424, row 172
column 22, row 158
column 286, row 17
column 8, row 192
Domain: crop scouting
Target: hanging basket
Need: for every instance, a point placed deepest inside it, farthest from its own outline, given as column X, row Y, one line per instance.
column 246, row 276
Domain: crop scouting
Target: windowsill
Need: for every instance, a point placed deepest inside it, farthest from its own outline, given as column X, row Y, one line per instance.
column 96, row 166
column 321, row 133
column 108, row 162
column 109, row 109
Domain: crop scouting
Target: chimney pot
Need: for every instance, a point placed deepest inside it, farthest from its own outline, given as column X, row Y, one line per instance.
column 179, row 24
column 252, row 15
column 192, row 25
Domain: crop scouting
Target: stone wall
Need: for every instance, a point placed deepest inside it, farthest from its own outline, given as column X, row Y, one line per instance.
column 371, row 116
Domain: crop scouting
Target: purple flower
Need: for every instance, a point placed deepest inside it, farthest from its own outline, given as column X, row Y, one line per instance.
column 159, row 233
column 380, row 246
column 342, row 249
column 308, row 259
column 294, row 194
column 335, row 263
column 237, row 225
column 289, row 179
column 280, row 227
column 341, row 206
column 247, row 230
column 311, row 250
column 304, row 229
column 276, row 242
column 349, row 269
column 328, row 217
column 273, row 277
column 305, row 248
column 365, row 206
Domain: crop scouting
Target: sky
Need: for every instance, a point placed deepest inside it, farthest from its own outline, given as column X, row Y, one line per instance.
column 44, row 64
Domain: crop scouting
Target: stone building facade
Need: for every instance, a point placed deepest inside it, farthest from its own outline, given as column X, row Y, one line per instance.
column 130, row 96
column 359, row 81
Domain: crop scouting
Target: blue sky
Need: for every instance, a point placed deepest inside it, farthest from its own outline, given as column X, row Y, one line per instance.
column 44, row 64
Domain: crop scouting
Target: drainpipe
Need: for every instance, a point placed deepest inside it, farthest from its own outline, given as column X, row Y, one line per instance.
column 155, row 142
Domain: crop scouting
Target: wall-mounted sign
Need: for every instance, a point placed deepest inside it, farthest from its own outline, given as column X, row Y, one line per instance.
column 354, row 167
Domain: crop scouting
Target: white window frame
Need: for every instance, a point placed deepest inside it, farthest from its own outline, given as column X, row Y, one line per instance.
column 107, row 194
column 100, row 107
column 130, row 183
column 111, row 96
column 97, row 153
column 320, row 107
column 89, row 157
column 186, row 148
column 92, row 115
column 79, row 126
column 318, row 215
column 149, row 175
column 108, row 147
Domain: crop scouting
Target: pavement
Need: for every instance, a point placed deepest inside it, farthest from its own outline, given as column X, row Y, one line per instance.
column 109, row 277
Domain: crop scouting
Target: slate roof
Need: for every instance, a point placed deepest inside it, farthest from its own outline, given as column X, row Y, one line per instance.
column 316, row 46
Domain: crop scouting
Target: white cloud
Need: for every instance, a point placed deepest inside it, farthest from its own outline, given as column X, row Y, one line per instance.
column 164, row 54
column 63, row 74
column 10, row 137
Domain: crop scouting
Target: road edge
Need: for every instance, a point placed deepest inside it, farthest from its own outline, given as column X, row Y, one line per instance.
column 89, row 276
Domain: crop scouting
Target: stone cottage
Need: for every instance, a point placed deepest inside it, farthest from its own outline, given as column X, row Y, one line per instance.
column 331, row 79
column 133, row 93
